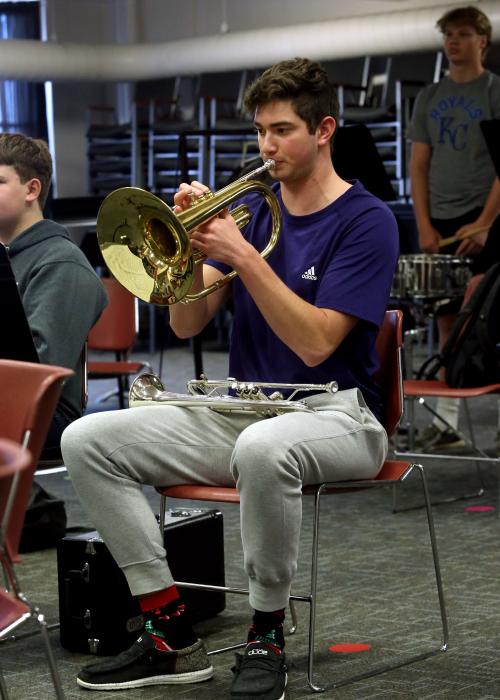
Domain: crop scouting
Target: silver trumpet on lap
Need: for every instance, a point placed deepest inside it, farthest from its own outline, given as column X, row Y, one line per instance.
column 204, row 393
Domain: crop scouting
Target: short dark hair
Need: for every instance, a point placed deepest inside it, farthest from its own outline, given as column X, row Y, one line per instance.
column 305, row 83
column 30, row 158
column 467, row 16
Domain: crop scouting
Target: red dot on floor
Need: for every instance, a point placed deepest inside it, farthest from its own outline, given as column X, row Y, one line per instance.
column 349, row 648
column 479, row 509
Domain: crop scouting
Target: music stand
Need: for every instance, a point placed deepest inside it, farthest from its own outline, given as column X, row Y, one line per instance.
column 356, row 157
column 16, row 341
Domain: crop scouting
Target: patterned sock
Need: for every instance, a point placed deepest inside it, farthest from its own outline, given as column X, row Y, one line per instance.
column 166, row 620
column 267, row 628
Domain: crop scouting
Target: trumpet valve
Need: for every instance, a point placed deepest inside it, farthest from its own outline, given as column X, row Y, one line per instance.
column 202, row 198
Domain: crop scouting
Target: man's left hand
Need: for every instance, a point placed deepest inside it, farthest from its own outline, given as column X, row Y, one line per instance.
column 221, row 239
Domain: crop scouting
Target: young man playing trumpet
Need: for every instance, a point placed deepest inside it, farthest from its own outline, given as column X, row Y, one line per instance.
column 310, row 314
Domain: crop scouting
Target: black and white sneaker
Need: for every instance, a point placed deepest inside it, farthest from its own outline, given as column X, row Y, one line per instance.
column 259, row 673
column 143, row 665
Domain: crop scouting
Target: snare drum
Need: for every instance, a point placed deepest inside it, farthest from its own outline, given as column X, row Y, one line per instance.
column 431, row 276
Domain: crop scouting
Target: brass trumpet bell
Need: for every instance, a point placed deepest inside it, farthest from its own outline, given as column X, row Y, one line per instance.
column 147, row 246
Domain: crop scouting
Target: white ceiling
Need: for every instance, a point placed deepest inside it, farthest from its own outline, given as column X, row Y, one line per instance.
column 164, row 37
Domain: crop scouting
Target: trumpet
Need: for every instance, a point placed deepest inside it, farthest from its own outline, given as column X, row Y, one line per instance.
column 147, row 246
column 204, row 393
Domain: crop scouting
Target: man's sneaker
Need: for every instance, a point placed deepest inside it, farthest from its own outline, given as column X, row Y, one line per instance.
column 432, row 439
column 259, row 674
column 143, row 665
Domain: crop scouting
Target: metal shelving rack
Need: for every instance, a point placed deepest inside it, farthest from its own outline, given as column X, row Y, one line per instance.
column 164, row 167
column 229, row 151
column 112, row 152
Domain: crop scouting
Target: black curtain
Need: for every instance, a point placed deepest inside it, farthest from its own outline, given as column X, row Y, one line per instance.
column 22, row 103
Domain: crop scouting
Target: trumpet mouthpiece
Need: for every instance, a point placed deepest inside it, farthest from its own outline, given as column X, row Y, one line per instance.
column 269, row 163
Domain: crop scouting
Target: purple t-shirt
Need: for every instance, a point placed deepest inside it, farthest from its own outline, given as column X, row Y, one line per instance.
column 342, row 257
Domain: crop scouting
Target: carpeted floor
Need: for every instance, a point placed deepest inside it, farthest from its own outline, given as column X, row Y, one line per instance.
column 376, row 585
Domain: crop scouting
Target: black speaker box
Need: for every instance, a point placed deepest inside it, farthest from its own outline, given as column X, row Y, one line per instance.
column 98, row 614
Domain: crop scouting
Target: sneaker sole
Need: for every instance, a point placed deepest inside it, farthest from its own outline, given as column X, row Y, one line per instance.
column 170, row 679
column 281, row 697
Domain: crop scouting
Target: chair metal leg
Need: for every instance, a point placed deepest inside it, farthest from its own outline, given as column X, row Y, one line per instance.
column 411, row 454
column 293, row 615
column 50, row 656
column 473, row 442
column 43, row 630
column 121, row 392
column 313, row 595
column 312, row 619
column 28, row 633
column 435, row 556
column 3, row 687
column 163, row 510
column 410, row 404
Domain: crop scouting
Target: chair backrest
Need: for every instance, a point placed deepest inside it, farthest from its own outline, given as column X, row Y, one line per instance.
column 374, row 85
column 389, row 376
column 27, row 403
column 13, row 460
column 116, row 329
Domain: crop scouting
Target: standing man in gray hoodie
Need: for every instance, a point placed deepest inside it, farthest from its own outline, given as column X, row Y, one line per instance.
column 61, row 294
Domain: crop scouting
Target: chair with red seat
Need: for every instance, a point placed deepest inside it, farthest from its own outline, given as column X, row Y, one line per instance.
column 389, row 344
column 417, row 391
column 28, row 399
column 27, row 402
column 116, row 332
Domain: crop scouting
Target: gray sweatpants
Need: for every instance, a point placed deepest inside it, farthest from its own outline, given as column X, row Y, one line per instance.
column 111, row 455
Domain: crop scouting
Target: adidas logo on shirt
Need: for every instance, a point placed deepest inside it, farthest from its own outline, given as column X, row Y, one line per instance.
column 309, row 274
